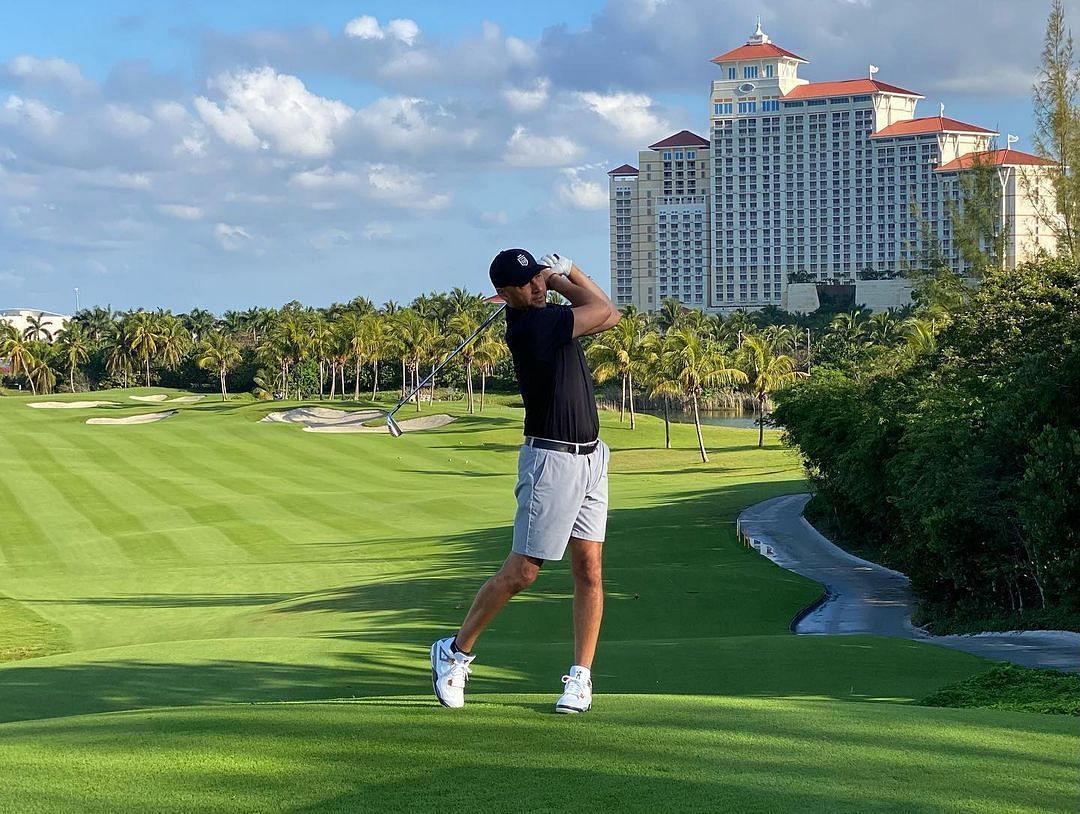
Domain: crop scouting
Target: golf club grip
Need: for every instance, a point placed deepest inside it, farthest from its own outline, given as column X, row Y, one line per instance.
column 445, row 361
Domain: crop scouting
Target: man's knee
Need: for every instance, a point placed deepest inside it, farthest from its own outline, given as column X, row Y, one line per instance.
column 588, row 573
column 519, row 572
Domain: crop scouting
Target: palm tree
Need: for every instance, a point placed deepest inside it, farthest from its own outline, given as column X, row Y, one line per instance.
column 379, row 340
column 174, row 341
column 660, row 381
column 668, row 315
column 919, row 335
column 144, row 338
column 322, row 336
column 75, row 345
column 41, row 376
column 20, row 352
column 199, row 322
column 37, row 327
column 693, row 364
column 97, row 321
column 490, row 350
column 619, row 352
column 415, row 334
column 462, row 324
column 767, row 371
column 118, row 360
column 218, row 351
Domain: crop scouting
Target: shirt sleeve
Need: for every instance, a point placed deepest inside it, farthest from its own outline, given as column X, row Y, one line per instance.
column 553, row 327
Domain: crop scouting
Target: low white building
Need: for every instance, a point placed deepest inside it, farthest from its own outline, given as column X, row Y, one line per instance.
column 35, row 323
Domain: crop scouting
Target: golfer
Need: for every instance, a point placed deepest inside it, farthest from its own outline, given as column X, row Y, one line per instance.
column 562, row 466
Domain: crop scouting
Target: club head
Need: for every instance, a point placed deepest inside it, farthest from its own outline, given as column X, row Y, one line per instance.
column 392, row 426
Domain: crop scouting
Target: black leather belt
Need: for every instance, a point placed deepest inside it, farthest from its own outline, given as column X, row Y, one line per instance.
column 561, row 446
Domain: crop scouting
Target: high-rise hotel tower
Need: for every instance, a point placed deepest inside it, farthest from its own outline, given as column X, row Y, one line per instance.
column 821, row 179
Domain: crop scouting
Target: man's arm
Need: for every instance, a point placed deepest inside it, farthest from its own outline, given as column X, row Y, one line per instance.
column 593, row 311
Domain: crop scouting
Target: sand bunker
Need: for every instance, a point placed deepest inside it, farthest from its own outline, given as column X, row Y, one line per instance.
column 327, row 419
column 428, row 422
column 71, row 405
column 159, row 397
column 146, row 418
column 320, row 417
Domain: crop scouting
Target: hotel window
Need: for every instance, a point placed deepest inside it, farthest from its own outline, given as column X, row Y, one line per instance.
column 768, row 70
column 750, row 72
column 731, row 72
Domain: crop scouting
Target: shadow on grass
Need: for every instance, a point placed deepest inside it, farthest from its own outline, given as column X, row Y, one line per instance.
column 689, row 611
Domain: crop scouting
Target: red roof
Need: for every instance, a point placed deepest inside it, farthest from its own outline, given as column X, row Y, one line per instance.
column 998, row 158
column 930, row 124
column 625, row 169
column 759, row 51
column 494, row 299
column 845, row 87
column 684, row 138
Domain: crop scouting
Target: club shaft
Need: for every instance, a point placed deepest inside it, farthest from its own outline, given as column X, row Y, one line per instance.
column 444, row 362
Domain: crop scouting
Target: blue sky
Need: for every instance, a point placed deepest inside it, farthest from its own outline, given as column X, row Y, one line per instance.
column 225, row 155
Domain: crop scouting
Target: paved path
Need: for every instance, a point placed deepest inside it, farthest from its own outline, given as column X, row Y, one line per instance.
column 863, row 597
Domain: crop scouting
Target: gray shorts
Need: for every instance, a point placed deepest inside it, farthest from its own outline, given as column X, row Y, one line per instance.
column 559, row 495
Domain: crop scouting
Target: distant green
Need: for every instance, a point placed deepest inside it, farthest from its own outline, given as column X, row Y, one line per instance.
column 210, row 561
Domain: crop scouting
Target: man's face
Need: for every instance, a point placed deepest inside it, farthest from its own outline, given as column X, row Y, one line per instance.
column 531, row 295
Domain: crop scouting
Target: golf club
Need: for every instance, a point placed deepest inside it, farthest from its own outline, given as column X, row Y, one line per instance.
column 392, row 425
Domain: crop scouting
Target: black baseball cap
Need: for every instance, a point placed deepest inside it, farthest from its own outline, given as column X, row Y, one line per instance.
column 513, row 267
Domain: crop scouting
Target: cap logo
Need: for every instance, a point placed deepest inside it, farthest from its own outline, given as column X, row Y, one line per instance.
column 522, row 260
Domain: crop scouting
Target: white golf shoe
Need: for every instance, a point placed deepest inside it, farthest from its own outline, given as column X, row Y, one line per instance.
column 577, row 691
column 449, row 673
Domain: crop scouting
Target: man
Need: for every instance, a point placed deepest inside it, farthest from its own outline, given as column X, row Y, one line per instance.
column 562, row 466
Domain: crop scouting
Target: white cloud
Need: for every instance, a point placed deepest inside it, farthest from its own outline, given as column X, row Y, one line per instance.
column 1004, row 79
column 37, row 114
column 628, row 114
column 126, row 122
column 53, row 70
column 367, row 27
column 402, row 187
column 377, row 230
column 404, row 30
column 364, row 28
column 106, row 178
column 264, row 107
column 526, row 100
column 579, row 192
column 499, row 218
column 231, row 237
column 330, row 239
column 325, row 178
column 411, row 123
column 526, row 150
column 181, row 211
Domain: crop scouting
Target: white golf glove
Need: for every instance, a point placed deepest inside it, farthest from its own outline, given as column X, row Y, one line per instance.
column 560, row 265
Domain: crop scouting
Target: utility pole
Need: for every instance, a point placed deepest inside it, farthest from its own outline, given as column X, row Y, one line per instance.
column 807, row 351
column 76, row 300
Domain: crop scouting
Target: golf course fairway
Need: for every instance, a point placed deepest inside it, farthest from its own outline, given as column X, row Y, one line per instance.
column 211, row 613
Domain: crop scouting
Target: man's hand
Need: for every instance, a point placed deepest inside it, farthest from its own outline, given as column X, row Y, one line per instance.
column 559, row 265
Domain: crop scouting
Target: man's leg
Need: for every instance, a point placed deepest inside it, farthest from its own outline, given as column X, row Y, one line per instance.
column 585, row 558
column 516, row 574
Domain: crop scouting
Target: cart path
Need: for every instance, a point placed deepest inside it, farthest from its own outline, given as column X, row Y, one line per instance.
column 864, row 597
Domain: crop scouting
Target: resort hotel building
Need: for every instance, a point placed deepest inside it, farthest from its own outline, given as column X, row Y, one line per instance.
column 817, row 181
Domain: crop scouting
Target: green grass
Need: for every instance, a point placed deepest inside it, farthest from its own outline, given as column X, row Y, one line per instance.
column 200, row 565
column 1020, row 689
column 25, row 635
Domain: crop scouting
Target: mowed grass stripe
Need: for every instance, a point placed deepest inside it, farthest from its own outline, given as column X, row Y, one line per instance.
column 103, row 500
column 71, row 530
column 197, row 536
